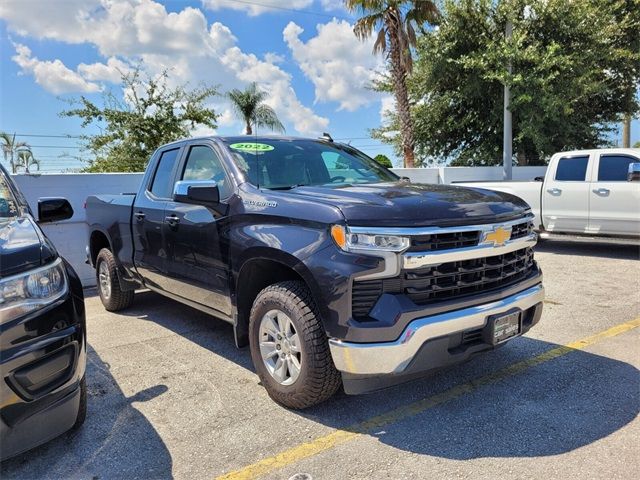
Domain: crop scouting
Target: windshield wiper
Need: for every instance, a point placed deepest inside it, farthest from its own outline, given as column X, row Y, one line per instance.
column 287, row 187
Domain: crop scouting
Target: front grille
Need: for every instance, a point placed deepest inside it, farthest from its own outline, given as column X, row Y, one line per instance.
column 521, row 230
column 444, row 241
column 450, row 240
column 432, row 284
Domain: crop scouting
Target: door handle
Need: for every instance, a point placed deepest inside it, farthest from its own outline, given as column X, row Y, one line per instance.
column 554, row 191
column 140, row 216
column 172, row 220
column 601, row 191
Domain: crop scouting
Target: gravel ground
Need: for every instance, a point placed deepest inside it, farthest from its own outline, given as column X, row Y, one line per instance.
column 170, row 396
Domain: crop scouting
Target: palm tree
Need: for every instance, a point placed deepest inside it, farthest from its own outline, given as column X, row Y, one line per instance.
column 395, row 20
column 250, row 108
column 11, row 148
column 25, row 160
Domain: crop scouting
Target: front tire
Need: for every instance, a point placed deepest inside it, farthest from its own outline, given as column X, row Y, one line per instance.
column 289, row 347
column 112, row 296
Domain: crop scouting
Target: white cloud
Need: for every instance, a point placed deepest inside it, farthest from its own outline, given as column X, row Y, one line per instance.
column 387, row 104
column 115, row 27
column 332, row 5
column 271, row 57
column 256, row 7
column 130, row 31
column 277, row 82
column 110, row 72
column 339, row 65
column 53, row 76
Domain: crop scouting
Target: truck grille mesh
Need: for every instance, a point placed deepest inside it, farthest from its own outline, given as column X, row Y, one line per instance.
column 428, row 285
column 451, row 240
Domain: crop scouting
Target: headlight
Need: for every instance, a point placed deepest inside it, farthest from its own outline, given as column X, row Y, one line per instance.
column 348, row 240
column 31, row 290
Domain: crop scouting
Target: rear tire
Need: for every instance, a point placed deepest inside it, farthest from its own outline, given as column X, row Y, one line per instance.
column 112, row 296
column 289, row 347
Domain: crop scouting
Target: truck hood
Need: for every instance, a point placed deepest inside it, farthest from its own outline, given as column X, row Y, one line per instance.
column 408, row 205
column 22, row 245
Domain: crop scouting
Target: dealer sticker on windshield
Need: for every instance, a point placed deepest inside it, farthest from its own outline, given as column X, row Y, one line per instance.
column 251, row 147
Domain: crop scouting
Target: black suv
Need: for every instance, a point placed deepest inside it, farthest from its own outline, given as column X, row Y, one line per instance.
column 43, row 391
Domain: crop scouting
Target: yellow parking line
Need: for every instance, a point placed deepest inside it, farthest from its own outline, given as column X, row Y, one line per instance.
column 338, row 437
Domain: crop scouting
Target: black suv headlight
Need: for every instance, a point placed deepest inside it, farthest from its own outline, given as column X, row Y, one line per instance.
column 29, row 291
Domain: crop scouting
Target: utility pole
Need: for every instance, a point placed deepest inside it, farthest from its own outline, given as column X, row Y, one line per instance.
column 626, row 131
column 507, row 138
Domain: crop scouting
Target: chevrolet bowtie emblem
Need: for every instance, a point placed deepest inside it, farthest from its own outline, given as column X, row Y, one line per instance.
column 498, row 236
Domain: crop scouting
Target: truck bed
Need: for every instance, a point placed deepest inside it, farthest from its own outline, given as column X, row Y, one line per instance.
column 111, row 214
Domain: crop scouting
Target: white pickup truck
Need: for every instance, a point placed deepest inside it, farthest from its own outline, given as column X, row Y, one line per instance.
column 593, row 192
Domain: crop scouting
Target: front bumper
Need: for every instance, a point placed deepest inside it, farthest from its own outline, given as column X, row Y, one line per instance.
column 399, row 357
column 42, row 363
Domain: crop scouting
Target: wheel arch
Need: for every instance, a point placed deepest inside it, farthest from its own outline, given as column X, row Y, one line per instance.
column 263, row 267
column 97, row 241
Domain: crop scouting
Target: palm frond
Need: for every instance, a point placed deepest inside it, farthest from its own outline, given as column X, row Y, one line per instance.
column 365, row 26
column 424, row 11
column 265, row 116
column 380, row 45
column 248, row 104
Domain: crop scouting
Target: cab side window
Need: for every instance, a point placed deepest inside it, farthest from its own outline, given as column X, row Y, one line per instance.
column 572, row 169
column 162, row 186
column 204, row 164
column 614, row 168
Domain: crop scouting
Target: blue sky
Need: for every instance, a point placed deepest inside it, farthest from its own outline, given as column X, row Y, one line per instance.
column 309, row 60
column 303, row 52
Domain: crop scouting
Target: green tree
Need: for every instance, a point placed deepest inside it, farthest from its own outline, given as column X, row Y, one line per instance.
column 570, row 78
column 395, row 20
column 15, row 151
column 383, row 160
column 150, row 114
column 250, row 107
column 25, row 159
column 636, row 145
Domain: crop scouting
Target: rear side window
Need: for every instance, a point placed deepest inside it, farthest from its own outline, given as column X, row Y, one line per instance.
column 614, row 168
column 573, row 169
column 204, row 164
column 162, row 186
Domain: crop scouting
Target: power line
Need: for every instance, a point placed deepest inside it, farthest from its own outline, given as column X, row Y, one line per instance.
column 55, row 146
column 46, row 136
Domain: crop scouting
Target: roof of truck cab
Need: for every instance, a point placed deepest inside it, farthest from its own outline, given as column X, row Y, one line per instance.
column 600, row 150
column 243, row 138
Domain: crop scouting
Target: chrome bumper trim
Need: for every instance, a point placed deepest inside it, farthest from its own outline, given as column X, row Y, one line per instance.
column 410, row 231
column 394, row 357
column 420, row 259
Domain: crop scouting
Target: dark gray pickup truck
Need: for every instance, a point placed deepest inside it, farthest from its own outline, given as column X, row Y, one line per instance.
column 332, row 268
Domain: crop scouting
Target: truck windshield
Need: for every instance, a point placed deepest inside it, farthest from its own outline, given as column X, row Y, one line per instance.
column 289, row 163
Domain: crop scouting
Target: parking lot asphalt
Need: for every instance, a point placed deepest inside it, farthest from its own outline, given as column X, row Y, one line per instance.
column 171, row 397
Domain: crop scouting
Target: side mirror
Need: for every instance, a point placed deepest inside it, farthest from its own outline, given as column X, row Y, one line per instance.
column 634, row 172
column 405, row 179
column 199, row 192
column 54, row 210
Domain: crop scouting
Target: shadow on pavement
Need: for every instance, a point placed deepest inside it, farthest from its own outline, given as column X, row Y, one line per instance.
column 116, row 440
column 590, row 248
column 552, row 408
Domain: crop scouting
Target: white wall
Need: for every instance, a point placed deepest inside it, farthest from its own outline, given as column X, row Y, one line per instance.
column 466, row 174
column 70, row 236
